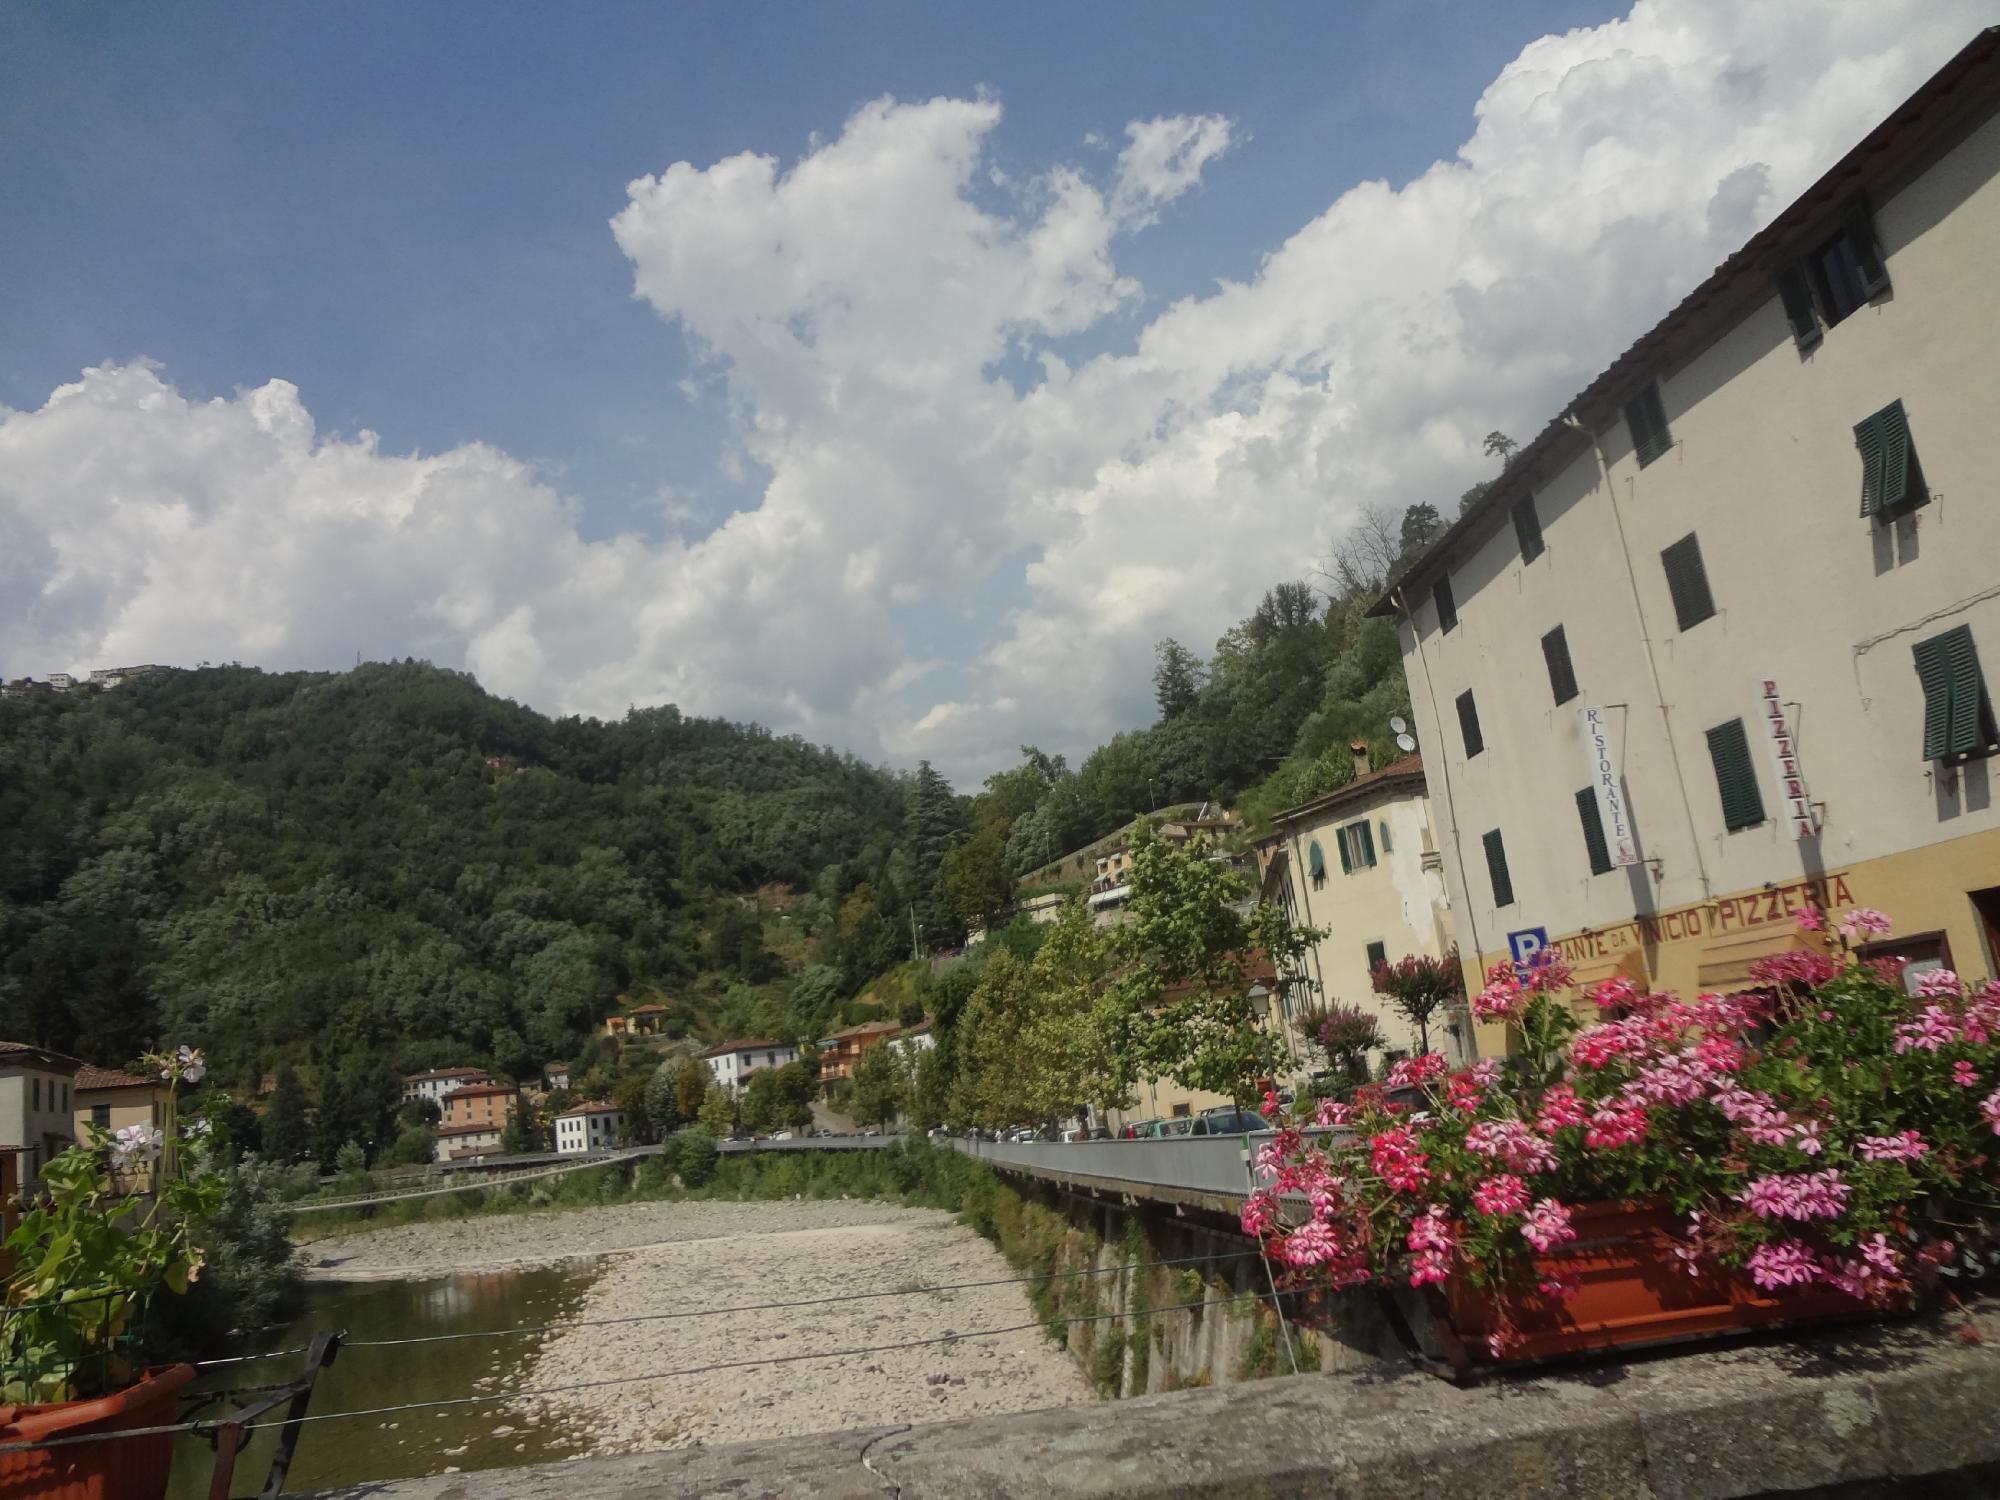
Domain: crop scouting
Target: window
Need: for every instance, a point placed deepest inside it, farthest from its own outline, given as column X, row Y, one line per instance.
column 1383, row 829
column 1528, row 528
column 38, row 1095
column 1468, row 724
column 1958, row 716
column 1562, row 677
column 1593, row 831
column 1357, row 846
column 1647, row 419
column 1687, row 581
column 1496, row 869
column 1735, row 776
column 1316, row 864
column 1447, row 610
column 1378, row 955
column 1891, row 478
column 1847, row 271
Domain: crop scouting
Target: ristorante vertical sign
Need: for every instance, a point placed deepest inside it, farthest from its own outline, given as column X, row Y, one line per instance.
column 1792, row 795
column 1612, row 811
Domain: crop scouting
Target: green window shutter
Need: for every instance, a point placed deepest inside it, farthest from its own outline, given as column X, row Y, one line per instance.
column 1528, row 528
column 1646, row 416
column 1735, row 776
column 1890, row 475
column 1346, row 855
column 1496, row 869
column 1468, row 724
column 1867, row 254
column 1593, row 831
column 1687, row 582
column 1378, row 955
column 1367, row 837
column 1447, row 607
column 1958, row 715
column 1797, row 297
column 1562, row 676
column 1935, row 675
column 1315, row 861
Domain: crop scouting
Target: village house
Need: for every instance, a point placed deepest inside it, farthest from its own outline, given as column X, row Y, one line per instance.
column 110, row 1099
column 839, row 1053
column 36, row 1106
column 556, row 1075
column 638, row 1020
column 439, row 1082
column 730, row 1064
column 589, row 1127
column 480, row 1104
column 1709, row 652
column 1359, row 865
column 455, row 1142
column 912, row 1040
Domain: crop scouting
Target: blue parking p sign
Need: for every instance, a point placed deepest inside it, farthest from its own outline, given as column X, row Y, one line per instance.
column 1526, row 944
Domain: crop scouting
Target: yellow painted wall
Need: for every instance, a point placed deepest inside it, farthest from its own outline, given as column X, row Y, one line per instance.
column 1923, row 891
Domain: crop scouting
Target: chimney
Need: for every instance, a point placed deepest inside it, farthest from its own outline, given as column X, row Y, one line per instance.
column 1360, row 749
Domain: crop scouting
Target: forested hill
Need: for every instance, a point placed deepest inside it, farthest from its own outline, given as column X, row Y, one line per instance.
column 393, row 862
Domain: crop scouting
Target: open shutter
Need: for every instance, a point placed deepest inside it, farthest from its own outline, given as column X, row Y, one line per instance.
column 1735, row 776
column 1496, row 869
column 1867, row 254
column 1447, row 608
column 1868, row 439
column 1797, row 297
column 1687, row 582
column 1315, row 862
column 1593, row 831
column 1528, row 528
column 1367, row 842
column 1646, row 416
column 1971, row 731
column 1346, row 855
column 1935, row 675
column 1890, row 476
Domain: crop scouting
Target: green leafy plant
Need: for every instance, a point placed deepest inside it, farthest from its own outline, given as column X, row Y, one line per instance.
column 88, row 1262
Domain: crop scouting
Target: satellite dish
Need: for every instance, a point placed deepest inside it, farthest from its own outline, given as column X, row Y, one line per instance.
column 1398, row 726
column 1405, row 744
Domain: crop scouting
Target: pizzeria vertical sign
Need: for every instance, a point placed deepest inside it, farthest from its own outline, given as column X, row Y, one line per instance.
column 1612, row 810
column 1792, row 794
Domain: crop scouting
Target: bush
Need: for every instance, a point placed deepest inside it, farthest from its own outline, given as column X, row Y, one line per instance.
column 694, row 1156
column 250, row 1279
column 415, row 1146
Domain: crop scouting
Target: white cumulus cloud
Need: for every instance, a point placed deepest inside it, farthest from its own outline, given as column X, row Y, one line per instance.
column 887, row 315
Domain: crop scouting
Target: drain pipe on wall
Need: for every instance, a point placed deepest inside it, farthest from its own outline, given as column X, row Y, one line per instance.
column 1652, row 665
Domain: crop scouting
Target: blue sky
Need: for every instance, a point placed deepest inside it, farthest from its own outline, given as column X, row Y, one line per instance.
column 402, row 211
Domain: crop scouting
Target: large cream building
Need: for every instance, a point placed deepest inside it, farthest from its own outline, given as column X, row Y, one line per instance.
column 1712, row 648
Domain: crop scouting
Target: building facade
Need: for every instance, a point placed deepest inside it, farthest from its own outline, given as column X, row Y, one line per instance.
column 439, row 1082
column 1360, row 866
column 491, row 1104
column 840, row 1053
column 1711, row 650
column 109, row 1099
column 731, row 1063
column 456, row 1142
column 37, row 1104
column 593, row 1127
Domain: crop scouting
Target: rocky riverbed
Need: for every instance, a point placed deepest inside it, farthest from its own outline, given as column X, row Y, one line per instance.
column 717, row 1263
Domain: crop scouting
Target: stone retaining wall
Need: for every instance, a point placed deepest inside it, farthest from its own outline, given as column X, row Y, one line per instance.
column 1911, row 1409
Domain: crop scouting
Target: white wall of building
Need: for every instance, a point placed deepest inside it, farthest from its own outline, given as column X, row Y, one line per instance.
column 729, row 1069
column 1764, row 472
column 37, row 1111
column 593, row 1130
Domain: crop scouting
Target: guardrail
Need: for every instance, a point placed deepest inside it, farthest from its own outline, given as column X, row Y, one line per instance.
column 813, row 1143
column 496, row 1179
column 1204, row 1171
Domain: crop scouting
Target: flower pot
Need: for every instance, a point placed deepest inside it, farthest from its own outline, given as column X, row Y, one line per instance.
column 116, row 1469
column 1631, row 1291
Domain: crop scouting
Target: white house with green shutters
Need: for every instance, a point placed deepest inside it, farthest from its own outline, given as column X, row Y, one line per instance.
column 1720, row 642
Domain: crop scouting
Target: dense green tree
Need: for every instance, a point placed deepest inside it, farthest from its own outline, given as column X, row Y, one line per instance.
column 815, row 999
column 691, row 1085
column 1176, row 678
column 662, row 1099
column 881, row 1086
column 975, row 880
column 287, row 1133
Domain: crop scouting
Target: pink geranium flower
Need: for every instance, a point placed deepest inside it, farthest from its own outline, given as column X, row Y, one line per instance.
column 1907, row 1146
column 1939, row 984
column 1547, row 1226
column 1783, row 1263
column 1501, row 1195
column 1864, row 921
column 1964, row 1074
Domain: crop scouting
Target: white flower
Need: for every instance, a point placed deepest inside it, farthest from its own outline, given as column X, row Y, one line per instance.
column 186, row 1065
column 134, row 1143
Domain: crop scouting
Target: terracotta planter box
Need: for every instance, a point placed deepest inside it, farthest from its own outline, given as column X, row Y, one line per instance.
column 119, row 1469
column 1631, row 1292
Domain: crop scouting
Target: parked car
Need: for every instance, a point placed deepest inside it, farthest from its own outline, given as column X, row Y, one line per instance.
column 1229, row 1121
column 1178, row 1125
column 1140, row 1130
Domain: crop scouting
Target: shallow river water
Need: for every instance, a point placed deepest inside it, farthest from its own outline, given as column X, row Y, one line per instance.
column 407, row 1443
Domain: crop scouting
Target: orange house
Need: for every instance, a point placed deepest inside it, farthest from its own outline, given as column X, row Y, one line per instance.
column 488, row 1104
column 840, row 1052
